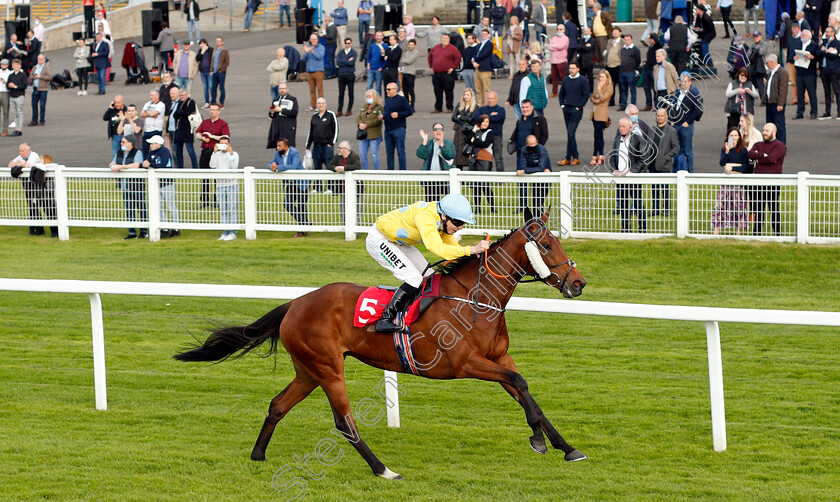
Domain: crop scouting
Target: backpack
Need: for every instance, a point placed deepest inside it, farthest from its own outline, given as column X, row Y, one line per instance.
column 496, row 62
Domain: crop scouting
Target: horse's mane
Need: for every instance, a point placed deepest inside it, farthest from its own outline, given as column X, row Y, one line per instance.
column 447, row 268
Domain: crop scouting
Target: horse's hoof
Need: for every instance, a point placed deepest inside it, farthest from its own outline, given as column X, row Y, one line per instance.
column 574, row 456
column 538, row 444
column 389, row 474
column 258, row 457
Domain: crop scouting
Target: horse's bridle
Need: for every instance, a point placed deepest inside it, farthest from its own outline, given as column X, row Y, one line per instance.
column 560, row 283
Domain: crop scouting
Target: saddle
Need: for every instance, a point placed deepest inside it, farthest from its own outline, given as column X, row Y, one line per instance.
column 372, row 302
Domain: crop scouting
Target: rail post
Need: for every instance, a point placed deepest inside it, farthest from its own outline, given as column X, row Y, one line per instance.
column 98, row 330
column 250, row 203
column 62, row 214
column 803, row 207
column 716, row 385
column 350, row 205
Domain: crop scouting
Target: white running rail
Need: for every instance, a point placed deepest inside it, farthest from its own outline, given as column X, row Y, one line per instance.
column 711, row 316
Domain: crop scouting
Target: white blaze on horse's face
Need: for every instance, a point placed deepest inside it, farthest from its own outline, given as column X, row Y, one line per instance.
column 537, row 262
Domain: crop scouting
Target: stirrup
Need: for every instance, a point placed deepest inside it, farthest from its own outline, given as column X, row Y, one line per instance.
column 388, row 326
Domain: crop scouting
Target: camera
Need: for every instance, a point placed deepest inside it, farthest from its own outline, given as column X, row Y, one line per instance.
column 222, row 147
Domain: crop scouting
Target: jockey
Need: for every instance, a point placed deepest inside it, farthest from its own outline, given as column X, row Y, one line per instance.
column 391, row 243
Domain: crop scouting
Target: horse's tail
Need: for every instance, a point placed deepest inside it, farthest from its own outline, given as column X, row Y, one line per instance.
column 239, row 340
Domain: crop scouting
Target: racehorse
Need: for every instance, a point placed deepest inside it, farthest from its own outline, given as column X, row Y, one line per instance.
column 465, row 335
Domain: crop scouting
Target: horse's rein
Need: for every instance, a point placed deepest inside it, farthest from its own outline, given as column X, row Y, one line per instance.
column 487, row 264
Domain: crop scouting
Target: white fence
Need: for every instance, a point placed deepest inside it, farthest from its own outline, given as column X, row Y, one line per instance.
column 709, row 315
column 800, row 207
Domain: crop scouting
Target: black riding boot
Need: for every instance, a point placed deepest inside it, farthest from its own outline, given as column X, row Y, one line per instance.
column 389, row 322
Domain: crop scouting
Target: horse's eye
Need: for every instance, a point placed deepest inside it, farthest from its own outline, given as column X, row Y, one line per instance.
column 547, row 246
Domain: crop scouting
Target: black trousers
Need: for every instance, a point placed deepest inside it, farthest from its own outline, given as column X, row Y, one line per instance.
column 207, row 196
column 408, row 88
column 727, row 23
column 498, row 152
column 831, row 83
column 587, row 73
column 614, row 75
column 435, row 190
column 767, row 196
column 626, row 194
column 806, row 83
column 482, row 188
column 390, row 75
column 678, row 59
column 444, row 84
column 346, row 82
column 39, row 197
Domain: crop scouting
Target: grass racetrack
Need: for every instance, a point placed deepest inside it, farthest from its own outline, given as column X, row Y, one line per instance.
column 633, row 395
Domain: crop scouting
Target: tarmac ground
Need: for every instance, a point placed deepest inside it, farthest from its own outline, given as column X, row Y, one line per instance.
column 76, row 135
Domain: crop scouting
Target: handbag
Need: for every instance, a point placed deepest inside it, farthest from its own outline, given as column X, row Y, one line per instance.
column 361, row 134
column 195, row 120
column 511, row 146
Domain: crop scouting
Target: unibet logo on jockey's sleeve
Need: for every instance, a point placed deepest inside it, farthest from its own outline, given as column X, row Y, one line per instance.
column 390, row 256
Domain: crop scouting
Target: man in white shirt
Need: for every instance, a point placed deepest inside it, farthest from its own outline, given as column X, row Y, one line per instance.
column 4, row 96
column 28, row 159
column 227, row 190
column 153, row 111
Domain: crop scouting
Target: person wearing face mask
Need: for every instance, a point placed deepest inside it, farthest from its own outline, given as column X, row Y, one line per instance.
column 586, row 57
column 295, row 193
column 533, row 158
column 134, row 189
column 369, row 122
column 391, row 240
column 38, row 29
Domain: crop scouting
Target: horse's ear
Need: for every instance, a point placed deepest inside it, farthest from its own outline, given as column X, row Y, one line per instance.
column 528, row 215
column 546, row 214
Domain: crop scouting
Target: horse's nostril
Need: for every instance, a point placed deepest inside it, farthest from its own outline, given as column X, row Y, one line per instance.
column 578, row 284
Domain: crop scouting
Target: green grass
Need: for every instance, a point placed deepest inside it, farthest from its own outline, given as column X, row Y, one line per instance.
column 631, row 394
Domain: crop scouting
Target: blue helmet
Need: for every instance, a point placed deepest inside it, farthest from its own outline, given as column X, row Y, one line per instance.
column 457, row 207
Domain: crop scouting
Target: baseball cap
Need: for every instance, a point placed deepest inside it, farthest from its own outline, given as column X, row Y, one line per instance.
column 756, row 33
column 4, row 61
column 157, row 139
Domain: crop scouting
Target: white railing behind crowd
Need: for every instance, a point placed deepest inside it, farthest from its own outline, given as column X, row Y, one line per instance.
column 584, row 204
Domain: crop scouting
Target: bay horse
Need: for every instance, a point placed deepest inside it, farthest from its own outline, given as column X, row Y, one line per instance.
column 465, row 335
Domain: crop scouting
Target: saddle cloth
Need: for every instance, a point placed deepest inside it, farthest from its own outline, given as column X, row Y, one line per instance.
column 372, row 302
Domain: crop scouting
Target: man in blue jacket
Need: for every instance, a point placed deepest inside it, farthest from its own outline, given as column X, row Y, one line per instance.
column 397, row 108
column 496, row 114
column 483, row 67
column 574, row 93
column 533, row 158
column 100, row 61
column 375, row 62
column 686, row 106
column 287, row 158
column 314, row 57
column 339, row 15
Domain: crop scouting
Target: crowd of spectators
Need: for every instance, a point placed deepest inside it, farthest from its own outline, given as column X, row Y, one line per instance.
column 573, row 65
